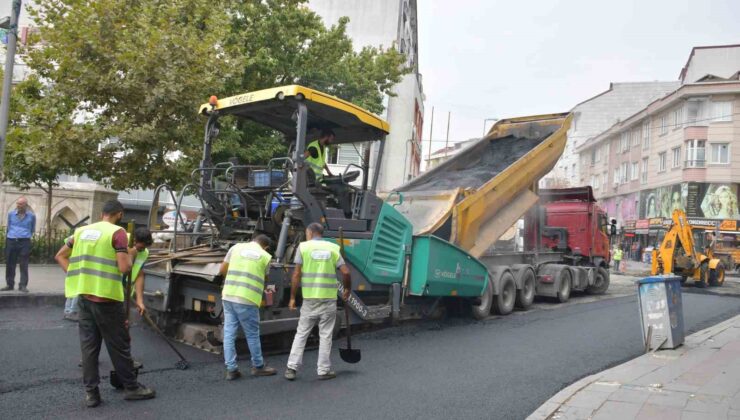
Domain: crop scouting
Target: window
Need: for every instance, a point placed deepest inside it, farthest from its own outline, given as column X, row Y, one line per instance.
column 615, row 180
column 720, row 153
column 594, row 155
column 634, row 172
column 646, row 134
column 663, row 124
column 623, row 172
column 695, row 153
column 722, row 111
column 676, row 163
column 678, row 117
column 605, row 179
column 624, row 142
column 696, row 111
column 643, row 175
column 661, row 162
column 635, row 137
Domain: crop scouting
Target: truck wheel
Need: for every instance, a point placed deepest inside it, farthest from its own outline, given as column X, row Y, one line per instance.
column 483, row 310
column 503, row 303
column 717, row 276
column 564, row 291
column 601, row 282
column 525, row 295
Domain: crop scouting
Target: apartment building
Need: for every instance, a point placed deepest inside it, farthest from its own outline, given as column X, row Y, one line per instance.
column 596, row 114
column 677, row 152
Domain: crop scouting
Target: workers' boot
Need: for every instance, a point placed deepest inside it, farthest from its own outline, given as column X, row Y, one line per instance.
column 139, row 393
column 290, row 374
column 328, row 375
column 233, row 374
column 92, row 398
column 263, row 371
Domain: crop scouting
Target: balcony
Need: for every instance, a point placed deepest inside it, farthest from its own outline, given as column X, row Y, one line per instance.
column 695, row 164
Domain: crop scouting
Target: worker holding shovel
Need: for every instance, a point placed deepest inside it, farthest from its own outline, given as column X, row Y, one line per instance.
column 316, row 262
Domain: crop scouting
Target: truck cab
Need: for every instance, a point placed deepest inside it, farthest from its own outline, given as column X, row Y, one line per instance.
column 570, row 221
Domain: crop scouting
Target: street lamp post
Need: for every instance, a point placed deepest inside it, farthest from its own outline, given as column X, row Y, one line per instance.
column 484, row 124
column 12, row 28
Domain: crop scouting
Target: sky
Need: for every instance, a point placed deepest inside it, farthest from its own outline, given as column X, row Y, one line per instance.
column 500, row 58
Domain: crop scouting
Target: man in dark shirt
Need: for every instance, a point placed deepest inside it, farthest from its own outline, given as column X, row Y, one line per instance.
column 21, row 225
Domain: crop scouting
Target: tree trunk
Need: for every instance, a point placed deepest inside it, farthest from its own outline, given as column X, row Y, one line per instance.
column 49, row 197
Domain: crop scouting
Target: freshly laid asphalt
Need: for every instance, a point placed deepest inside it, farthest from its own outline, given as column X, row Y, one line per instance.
column 501, row 368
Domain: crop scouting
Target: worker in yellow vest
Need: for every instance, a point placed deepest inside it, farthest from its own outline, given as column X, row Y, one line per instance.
column 315, row 154
column 617, row 257
column 316, row 264
column 139, row 254
column 95, row 260
column 245, row 269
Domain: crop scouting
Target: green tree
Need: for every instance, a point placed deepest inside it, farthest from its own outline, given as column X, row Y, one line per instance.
column 141, row 69
column 44, row 140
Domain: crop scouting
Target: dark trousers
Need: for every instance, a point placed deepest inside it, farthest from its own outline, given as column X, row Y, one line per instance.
column 17, row 251
column 104, row 322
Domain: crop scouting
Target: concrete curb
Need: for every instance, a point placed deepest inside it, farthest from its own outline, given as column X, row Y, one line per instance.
column 20, row 300
column 551, row 406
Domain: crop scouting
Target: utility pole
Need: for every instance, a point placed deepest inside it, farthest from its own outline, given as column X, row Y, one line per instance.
column 8, row 79
column 431, row 134
column 447, row 141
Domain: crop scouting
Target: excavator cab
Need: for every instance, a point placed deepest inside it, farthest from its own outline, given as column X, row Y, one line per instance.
column 286, row 192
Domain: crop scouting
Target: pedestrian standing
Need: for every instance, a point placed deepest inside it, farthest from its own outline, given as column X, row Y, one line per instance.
column 246, row 267
column 95, row 261
column 20, row 228
column 316, row 264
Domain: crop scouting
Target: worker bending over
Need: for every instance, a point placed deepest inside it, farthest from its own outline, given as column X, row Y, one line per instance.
column 139, row 254
column 316, row 262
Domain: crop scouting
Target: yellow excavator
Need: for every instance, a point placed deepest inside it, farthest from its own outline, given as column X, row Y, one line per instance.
column 680, row 254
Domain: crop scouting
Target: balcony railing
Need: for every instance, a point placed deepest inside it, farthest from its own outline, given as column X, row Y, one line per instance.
column 694, row 163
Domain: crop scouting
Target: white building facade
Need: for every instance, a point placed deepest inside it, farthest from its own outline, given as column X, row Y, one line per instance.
column 386, row 23
column 597, row 114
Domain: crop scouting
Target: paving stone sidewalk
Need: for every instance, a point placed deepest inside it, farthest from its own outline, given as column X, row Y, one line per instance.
column 699, row 380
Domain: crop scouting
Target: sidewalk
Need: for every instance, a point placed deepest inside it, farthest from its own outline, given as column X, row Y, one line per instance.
column 699, row 380
column 45, row 286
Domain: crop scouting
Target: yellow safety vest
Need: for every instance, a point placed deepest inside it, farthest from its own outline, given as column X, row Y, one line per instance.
column 316, row 164
column 93, row 268
column 139, row 262
column 246, row 276
column 319, row 269
column 618, row 255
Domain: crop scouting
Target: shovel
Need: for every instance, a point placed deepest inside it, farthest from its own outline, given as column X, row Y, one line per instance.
column 349, row 354
column 181, row 364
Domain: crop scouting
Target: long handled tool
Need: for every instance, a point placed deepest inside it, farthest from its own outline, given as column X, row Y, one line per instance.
column 181, row 364
column 349, row 354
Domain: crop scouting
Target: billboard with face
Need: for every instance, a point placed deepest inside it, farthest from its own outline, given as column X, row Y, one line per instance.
column 714, row 201
column 720, row 201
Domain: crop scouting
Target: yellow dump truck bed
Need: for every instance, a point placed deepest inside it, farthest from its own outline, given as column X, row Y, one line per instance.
column 475, row 196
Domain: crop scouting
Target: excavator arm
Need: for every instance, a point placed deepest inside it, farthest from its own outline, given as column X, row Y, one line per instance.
column 665, row 258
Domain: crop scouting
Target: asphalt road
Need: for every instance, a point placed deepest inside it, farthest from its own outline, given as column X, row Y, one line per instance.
column 499, row 368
